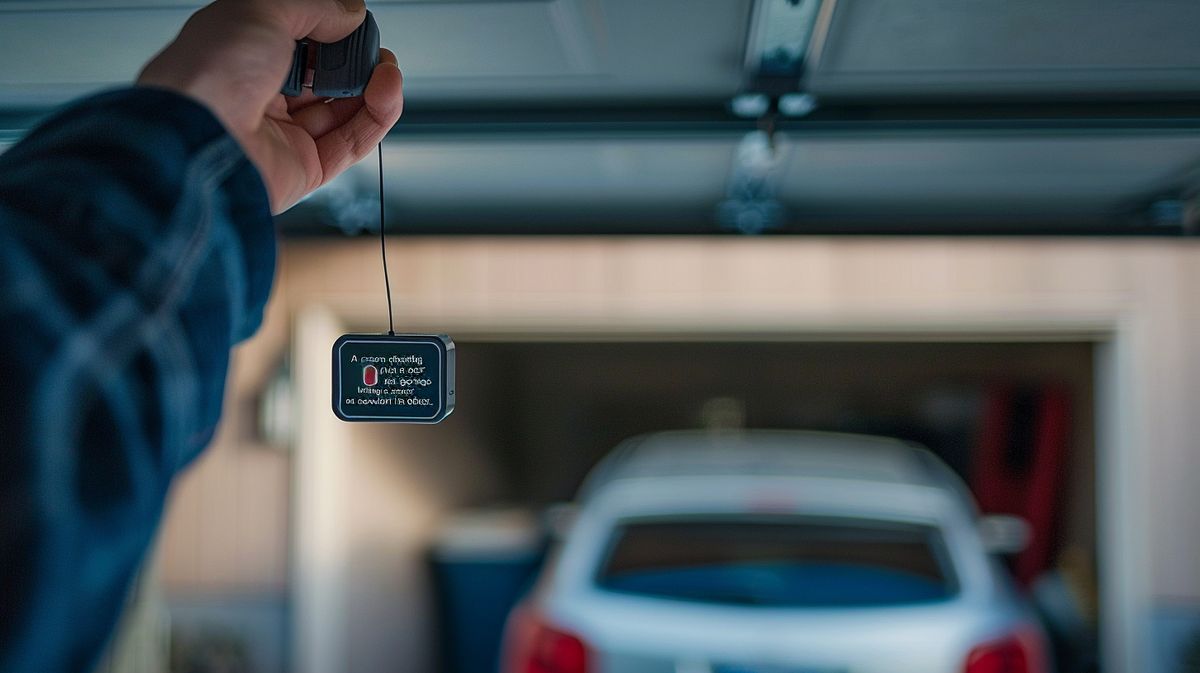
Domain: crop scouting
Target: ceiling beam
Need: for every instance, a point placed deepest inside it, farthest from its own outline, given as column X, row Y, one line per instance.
column 708, row 119
column 839, row 119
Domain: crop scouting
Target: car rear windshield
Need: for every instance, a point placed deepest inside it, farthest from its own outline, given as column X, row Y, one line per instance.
column 781, row 562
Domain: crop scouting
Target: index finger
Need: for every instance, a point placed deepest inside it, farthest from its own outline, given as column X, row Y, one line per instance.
column 320, row 20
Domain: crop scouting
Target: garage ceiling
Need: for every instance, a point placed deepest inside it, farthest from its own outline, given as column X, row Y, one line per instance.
column 613, row 115
column 996, row 48
column 500, row 51
column 828, row 183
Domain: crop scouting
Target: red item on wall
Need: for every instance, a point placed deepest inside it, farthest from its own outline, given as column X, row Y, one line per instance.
column 1018, row 468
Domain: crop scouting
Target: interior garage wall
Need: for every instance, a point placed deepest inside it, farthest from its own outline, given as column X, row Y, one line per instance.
column 567, row 404
column 1135, row 297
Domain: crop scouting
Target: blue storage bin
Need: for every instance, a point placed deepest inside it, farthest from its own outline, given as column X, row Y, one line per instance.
column 483, row 563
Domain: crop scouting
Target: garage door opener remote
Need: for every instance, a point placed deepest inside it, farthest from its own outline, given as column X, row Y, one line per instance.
column 390, row 378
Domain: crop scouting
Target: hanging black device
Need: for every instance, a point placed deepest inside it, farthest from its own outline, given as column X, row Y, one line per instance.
column 391, row 378
column 401, row 378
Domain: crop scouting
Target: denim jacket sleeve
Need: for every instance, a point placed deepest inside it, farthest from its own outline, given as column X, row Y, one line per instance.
column 136, row 247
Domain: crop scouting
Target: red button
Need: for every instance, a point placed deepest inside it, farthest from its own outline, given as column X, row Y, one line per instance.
column 370, row 375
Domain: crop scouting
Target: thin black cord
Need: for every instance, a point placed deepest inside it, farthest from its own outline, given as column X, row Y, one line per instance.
column 383, row 245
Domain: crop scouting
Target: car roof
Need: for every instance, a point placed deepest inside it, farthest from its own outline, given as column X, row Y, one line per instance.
column 778, row 453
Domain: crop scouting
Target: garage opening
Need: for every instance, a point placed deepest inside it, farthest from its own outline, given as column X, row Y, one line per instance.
column 1014, row 419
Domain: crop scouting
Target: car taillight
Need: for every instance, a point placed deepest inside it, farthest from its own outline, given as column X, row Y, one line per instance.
column 1021, row 652
column 534, row 646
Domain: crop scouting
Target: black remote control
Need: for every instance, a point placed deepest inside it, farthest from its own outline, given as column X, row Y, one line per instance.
column 341, row 69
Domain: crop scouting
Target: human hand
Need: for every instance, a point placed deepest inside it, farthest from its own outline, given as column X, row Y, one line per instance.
column 233, row 56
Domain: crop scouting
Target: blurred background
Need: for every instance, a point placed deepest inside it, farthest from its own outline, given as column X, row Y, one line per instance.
column 962, row 224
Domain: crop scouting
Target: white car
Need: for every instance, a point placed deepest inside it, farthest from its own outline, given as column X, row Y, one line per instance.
column 773, row 552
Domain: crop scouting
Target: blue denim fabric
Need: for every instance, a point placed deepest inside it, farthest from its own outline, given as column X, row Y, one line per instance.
column 136, row 247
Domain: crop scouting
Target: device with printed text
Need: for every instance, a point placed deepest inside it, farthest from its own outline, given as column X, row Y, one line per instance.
column 403, row 378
